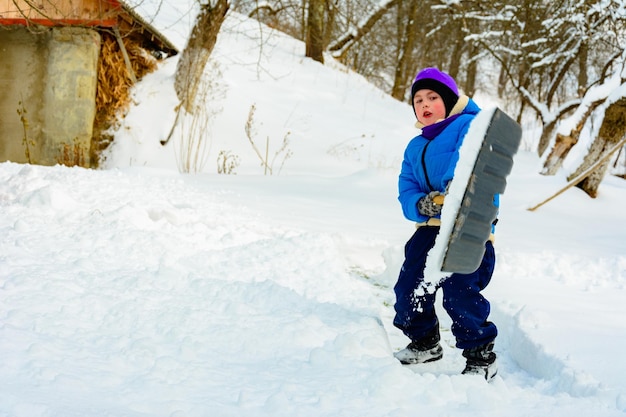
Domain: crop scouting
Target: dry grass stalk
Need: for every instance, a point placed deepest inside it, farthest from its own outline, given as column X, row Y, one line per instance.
column 114, row 84
column 71, row 155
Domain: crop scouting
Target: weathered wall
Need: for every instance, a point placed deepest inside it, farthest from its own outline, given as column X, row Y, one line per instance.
column 21, row 83
column 85, row 12
column 50, row 77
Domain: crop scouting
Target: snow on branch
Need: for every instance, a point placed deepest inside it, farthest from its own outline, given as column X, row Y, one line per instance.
column 340, row 46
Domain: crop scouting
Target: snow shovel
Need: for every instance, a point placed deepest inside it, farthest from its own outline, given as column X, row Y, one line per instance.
column 485, row 160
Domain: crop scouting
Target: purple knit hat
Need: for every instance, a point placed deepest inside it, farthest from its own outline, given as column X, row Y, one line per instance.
column 439, row 82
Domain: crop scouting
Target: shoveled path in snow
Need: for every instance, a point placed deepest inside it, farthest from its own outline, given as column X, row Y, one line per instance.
column 146, row 293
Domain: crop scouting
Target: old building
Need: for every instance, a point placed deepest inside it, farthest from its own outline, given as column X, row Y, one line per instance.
column 66, row 69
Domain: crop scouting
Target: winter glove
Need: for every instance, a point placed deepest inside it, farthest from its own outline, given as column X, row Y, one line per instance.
column 427, row 207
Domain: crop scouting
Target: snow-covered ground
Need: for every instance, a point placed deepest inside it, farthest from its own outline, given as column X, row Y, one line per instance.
column 139, row 291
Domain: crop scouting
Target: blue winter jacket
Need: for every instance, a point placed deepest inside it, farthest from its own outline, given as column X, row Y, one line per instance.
column 438, row 155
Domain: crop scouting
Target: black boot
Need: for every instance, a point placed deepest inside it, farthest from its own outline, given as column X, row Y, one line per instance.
column 427, row 349
column 481, row 360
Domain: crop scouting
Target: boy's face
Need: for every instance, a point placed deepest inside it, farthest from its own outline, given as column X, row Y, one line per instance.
column 429, row 107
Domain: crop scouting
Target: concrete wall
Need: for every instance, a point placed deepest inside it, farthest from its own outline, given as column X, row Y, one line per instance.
column 50, row 77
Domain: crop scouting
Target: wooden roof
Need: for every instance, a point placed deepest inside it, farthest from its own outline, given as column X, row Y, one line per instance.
column 92, row 13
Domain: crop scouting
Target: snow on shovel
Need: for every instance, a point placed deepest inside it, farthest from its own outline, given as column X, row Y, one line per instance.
column 485, row 160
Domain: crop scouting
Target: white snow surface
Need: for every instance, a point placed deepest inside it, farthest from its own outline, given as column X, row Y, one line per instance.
column 136, row 290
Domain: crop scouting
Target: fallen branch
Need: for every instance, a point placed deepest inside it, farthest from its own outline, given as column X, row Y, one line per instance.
column 583, row 175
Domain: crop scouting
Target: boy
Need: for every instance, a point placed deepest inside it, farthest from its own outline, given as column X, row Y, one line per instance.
column 429, row 161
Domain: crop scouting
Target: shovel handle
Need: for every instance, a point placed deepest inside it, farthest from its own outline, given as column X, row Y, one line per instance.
column 438, row 199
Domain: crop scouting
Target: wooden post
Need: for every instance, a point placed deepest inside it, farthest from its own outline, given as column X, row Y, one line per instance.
column 129, row 67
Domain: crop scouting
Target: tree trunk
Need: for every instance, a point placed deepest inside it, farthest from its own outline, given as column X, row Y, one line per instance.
column 564, row 143
column 562, row 146
column 315, row 30
column 546, row 136
column 194, row 57
column 456, row 36
column 612, row 130
column 329, row 25
column 583, row 79
column 401, row 75
column 472, row 71
column 502, row 77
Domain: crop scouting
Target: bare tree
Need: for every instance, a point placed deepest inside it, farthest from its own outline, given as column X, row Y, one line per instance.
column 288, row 16
column 194, row 57
column 549, row 57
column 544, row 48
column 405, row 66
column 612, row 133
column 199, row 47
column 565, row 141
column 350, row 37
column 315, row 30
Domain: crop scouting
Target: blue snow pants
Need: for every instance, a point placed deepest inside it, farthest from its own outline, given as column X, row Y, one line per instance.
column 462, row 300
